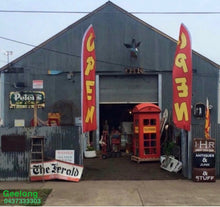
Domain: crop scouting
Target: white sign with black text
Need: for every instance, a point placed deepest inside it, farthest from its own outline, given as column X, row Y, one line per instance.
column 56, row 169
column 65, row 155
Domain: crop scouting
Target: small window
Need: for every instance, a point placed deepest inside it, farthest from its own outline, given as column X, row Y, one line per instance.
column 153, row 151
column 147, row 151
column 153, row 143
column 153, row 122
column 146, row 136
column 146, row 144
column 153, row 136
column 146, row 122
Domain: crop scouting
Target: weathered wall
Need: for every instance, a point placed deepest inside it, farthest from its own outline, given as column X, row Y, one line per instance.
column 15, row 165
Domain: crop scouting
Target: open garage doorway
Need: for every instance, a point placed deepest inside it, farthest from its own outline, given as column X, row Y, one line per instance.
column 115, row 114
column 117, row 96
column 118, row 117
column 121, row 167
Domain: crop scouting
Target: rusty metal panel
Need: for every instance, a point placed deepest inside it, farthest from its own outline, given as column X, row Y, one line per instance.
column 13, row 143
column 14, row 165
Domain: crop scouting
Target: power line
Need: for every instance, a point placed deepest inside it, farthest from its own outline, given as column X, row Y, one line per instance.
column 39, row 47
column 57, row 51
column 72, row 55
column 175, row 13
column 134, row 12
column 44, row 12
column 102, row 61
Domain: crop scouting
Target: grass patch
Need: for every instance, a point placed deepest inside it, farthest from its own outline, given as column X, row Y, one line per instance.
column 24, row 197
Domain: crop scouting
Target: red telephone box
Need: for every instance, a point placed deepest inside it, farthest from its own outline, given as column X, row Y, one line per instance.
column 146, row 139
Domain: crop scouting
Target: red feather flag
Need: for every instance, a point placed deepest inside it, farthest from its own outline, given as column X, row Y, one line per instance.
column 88, row 65
column 182, row 81
column 207, row 120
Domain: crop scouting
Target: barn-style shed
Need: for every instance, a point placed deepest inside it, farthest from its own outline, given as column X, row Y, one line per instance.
column 134, row 64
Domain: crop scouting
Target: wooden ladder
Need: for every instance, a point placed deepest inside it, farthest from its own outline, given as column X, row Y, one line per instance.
column 37, row 151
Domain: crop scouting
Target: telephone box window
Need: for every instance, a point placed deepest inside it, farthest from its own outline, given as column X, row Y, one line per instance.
column 146, row 136
column 153, row 136
column 153, row 122
column 146, row 122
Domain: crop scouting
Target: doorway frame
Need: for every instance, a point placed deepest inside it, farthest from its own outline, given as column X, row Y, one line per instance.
column 159, row 95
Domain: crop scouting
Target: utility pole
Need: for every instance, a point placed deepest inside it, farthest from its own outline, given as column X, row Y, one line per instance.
column 8, row 53
column 2, row 90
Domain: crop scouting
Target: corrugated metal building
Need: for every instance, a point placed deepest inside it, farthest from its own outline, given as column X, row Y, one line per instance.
column 122, row 80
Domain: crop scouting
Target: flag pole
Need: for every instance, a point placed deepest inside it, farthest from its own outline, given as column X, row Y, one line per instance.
column 190, row 153
column 207, row 121
column 184, row 152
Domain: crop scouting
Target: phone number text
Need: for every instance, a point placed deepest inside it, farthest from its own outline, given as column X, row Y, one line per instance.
column 22, row 201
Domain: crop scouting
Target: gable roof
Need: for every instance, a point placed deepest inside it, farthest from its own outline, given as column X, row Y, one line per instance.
column 109, row 3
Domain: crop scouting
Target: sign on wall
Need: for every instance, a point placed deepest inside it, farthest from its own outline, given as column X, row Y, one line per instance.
column 56, row 169
column 204, row 174
column 19, row 123
column 38, row 84
column 203, row 160
column 26, row 99
column 203, row 145
column 65, row 155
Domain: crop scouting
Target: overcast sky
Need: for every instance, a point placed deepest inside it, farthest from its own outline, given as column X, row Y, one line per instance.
column 35, row 28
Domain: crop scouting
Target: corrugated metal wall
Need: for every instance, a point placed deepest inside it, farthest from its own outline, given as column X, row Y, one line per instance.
column 15, row 165
column 130, row 89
